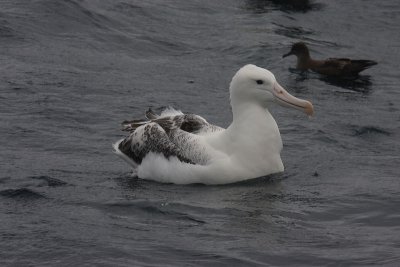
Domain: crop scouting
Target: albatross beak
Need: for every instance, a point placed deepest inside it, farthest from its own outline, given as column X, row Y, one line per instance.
column 286, row 99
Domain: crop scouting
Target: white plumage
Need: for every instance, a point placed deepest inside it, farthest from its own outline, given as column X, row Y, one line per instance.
column 182, row 149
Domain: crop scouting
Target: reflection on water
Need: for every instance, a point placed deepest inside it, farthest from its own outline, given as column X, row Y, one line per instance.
column 359, row 83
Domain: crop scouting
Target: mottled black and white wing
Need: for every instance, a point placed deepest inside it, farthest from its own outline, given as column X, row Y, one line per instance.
column 173, row 120
column 172, row 134
column 146, row 138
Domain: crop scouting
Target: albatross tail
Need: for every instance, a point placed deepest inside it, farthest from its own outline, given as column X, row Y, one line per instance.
column 122, row 155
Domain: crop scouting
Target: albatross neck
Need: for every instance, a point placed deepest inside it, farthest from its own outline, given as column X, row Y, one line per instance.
column 255, row 135
column 250, row 118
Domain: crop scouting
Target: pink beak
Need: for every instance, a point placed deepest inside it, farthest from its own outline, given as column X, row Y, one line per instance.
column 286, row 99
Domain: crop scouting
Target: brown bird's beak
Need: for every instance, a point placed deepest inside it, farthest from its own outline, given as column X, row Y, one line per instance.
column 288, row 54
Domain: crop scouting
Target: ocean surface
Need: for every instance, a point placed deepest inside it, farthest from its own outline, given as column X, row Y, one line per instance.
column 73, row 70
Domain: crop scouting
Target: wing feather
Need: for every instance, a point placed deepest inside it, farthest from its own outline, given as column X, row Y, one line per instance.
column 190, row 123
column 171, row 135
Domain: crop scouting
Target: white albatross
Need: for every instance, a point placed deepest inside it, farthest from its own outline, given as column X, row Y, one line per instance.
column 184, row 148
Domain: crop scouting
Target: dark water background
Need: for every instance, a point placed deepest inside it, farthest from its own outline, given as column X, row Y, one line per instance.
column 71, row 71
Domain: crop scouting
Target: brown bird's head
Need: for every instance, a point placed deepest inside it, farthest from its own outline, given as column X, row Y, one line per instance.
column 298, row 49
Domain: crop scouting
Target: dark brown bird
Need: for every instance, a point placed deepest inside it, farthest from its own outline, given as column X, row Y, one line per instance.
column 330, row 66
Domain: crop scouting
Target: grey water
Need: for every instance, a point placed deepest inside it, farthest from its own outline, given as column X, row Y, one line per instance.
column 72, row 70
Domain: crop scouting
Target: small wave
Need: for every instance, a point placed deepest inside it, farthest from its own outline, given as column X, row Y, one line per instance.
column 153, row 209
column 288, row 6
column 370, row 130
column 9, row 34
column 6, row 31
column 52, row 182
column 3, row 180
column 325, row 137
column 293, row 32
column 21, row 193
column 129, row 9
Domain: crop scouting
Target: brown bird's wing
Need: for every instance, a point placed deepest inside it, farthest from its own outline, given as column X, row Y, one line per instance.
column 357, row 65
column 342, row 66
column 331, row 66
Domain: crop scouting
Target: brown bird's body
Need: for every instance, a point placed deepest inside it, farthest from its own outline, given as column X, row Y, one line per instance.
column 330, row 66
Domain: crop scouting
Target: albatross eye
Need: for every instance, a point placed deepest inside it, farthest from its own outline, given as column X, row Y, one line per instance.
column 260, row 81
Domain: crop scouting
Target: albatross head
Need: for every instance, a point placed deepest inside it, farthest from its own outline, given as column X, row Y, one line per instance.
column 252, row 84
